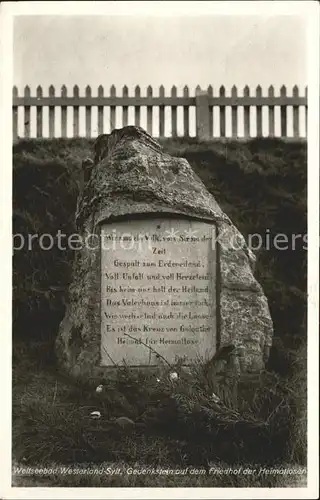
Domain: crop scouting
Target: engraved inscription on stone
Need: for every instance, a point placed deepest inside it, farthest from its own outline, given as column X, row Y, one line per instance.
column 158, row 287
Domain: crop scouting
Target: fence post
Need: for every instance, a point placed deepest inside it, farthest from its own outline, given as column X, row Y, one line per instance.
column 202, row 115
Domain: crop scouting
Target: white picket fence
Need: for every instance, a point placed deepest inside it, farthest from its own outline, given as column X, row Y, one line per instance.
column 202, row 114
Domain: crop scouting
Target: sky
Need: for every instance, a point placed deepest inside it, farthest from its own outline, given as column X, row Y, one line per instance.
column 140, row 50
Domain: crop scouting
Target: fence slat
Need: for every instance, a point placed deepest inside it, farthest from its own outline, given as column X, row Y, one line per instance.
column 283, row 113
column 27, row 94
column 210, row 94
column 222, row 93
column 125, row 93
column 14, row 115
column 234, row 113
column 63, row 113
column 39, row 113
column 246, row 113
column 271, row 112
column 100, row 111
column 296, row 131
column 51, row 112
column 306, row 108
column 137, row 93
column 149, row 112
column 161, row 113
column 75, row 113
column 174, row 113
column 88, row 113
column 113, row 93
column 186, row 114
column 259, row 112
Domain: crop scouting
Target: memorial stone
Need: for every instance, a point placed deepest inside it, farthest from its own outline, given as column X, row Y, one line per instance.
column 161, row 273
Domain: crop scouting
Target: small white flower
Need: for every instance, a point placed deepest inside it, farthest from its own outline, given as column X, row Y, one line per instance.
column 158, row 379
column 95, row 414
column 99, row 388
column 173, row 376
column 215, row 398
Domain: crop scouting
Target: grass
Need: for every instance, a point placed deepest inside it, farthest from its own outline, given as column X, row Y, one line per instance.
column 177, row 424
column 260, row 184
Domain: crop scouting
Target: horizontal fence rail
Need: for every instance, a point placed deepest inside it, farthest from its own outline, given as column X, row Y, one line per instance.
column 209, row 109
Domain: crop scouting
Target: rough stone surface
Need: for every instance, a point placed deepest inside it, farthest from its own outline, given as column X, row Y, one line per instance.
column 132, row 177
